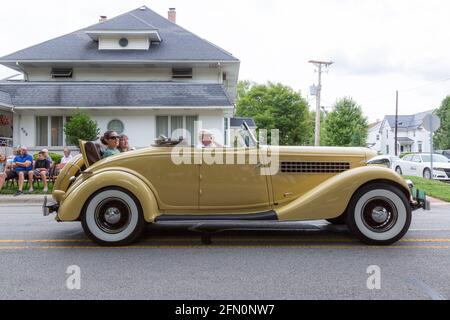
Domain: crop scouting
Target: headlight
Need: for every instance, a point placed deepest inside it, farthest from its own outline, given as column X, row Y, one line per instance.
column 438, row 169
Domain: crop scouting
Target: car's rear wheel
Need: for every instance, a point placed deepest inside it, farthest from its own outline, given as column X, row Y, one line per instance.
column 399, row 170
column 379, row 214
column 113, row 217
column 427, row 173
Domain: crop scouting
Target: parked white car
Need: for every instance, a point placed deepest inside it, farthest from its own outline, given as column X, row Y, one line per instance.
column 419, row 165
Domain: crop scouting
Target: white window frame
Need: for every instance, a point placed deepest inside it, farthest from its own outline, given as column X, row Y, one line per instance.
column 49, row 131
column 169, row 125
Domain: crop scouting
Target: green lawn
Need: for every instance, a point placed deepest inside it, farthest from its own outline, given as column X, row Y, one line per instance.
column 37, row 190
column 435, row 189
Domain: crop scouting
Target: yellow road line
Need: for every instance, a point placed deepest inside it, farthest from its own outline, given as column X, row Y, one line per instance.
column 222, row 247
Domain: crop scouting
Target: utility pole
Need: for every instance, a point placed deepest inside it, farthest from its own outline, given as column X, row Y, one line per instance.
column 319, row 65
column 396, row 123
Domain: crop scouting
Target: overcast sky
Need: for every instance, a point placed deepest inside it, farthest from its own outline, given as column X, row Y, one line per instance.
column 378, row 46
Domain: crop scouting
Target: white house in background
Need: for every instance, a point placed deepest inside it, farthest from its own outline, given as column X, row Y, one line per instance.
column 412, row 137
column 374, row 137
column 139, row 74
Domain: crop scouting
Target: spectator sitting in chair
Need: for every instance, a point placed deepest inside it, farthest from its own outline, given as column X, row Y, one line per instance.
column 64, row 160
column 22, row 164
column 2, row 170
column 47, row 156
column 67, row 156
column 42, row 169
column 10, row 159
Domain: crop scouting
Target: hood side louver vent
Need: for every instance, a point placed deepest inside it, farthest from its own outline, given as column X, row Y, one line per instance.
column 314, row 167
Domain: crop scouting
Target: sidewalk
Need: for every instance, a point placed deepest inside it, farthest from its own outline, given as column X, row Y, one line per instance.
column 25, row 199
column 437, row 202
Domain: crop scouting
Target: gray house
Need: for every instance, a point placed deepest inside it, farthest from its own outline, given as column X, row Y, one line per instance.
column 139, row 74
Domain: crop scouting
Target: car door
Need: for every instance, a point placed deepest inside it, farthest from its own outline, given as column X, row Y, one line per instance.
column 414, row 168
column 175, row 183
column 405, row 164
column 233, row 186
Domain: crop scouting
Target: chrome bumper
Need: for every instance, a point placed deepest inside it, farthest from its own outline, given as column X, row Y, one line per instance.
column 49, row 207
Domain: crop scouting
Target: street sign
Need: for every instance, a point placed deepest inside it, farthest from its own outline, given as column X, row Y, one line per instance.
column 431, row 123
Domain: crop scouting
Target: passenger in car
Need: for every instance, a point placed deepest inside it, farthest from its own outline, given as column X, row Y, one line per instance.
column 124, row 145
column 111, row 140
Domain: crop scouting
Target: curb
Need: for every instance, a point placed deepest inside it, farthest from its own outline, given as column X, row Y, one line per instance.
column 24, row 199
column 437, row 202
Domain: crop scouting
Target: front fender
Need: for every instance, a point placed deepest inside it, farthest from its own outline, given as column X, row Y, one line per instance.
column 72, row 205
column 331, row 198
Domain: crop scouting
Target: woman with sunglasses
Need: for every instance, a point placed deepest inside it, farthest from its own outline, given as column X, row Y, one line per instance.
column 111, row 140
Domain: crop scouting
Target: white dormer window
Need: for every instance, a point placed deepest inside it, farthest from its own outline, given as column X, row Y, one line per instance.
column 124, row 40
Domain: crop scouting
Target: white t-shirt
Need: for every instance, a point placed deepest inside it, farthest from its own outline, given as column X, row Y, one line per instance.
column 65, row 159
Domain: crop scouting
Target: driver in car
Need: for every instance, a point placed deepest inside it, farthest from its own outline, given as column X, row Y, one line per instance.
column 206, row 138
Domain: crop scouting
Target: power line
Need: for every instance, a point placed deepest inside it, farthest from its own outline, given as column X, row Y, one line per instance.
column 425, row 85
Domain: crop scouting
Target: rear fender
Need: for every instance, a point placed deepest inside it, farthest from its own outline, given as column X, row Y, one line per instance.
column 331, row 198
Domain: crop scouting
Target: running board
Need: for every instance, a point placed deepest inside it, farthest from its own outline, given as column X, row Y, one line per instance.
column 262, row 216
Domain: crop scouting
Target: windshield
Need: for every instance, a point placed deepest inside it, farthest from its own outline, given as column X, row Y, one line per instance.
column 248, row 136
column 436, row 158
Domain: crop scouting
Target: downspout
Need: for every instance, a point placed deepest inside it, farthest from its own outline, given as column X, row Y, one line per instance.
column 25, row 74
column 219, row 65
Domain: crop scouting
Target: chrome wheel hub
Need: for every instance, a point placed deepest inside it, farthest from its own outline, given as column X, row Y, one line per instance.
column 380, row 214
column 112, row 215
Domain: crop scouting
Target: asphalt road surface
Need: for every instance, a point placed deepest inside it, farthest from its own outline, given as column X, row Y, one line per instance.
column 285, row 261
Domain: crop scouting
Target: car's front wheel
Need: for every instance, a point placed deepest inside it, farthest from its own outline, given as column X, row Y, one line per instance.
column 113, row 217
column 399, row 170
column 379, row 214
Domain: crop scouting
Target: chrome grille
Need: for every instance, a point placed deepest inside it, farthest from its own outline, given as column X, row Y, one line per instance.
column 314, row 167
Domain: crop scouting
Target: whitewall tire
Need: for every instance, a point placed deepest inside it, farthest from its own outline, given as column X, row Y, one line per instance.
column 112, row 217
column 379, row 214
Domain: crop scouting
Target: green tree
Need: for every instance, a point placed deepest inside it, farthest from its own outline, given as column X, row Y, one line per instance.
column 81, row 126
column 346, row 125
column 442, row 136
column 276, row 106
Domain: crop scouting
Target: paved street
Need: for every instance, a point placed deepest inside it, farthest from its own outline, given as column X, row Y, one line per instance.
column 288, row 261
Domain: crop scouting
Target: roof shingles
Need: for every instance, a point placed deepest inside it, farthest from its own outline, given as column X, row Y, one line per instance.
column 177, row 43
column 5, row 98
column 133, row 94
column 408, row 122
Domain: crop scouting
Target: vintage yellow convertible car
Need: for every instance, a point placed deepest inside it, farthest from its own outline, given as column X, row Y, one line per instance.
column 115, row 198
